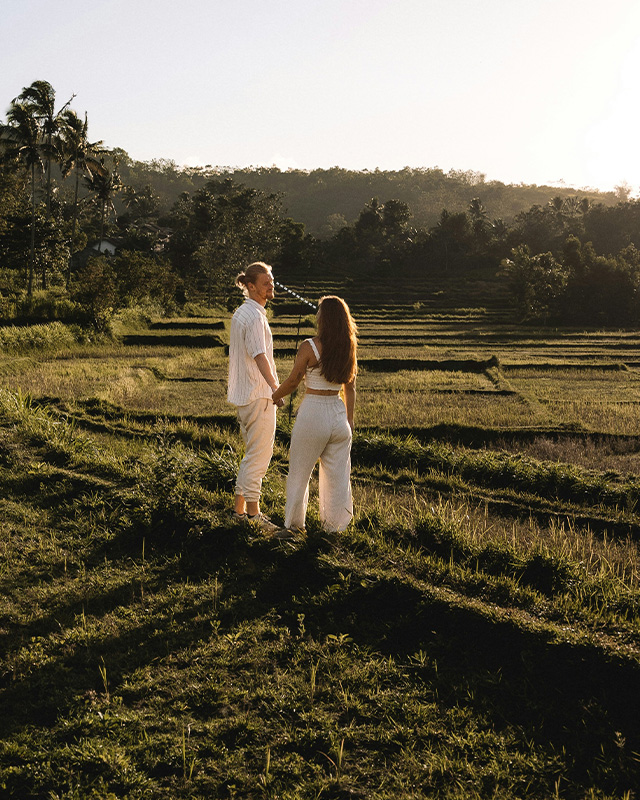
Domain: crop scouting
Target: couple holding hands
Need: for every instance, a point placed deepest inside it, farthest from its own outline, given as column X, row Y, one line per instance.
column 324, row 422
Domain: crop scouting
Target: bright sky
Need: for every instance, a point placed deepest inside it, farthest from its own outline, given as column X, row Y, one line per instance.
column 524, row 91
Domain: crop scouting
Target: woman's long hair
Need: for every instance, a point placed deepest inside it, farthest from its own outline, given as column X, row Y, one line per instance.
column 337, row 332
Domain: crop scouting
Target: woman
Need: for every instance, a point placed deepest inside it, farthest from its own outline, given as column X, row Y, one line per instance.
column 324, row 423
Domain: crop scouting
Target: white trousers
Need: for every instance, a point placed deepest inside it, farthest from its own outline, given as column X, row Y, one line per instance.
column 258, row 429
column 321, row 431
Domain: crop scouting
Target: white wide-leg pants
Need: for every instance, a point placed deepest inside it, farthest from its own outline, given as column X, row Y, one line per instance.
column 258, row 429
column 321, row 431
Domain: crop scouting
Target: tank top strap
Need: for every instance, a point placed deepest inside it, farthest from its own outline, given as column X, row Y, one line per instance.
column 314, row 348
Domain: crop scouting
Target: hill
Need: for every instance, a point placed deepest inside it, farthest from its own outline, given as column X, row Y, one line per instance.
column 327, row 199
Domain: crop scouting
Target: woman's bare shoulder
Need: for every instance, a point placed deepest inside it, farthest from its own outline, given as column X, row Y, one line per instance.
column 309, row 350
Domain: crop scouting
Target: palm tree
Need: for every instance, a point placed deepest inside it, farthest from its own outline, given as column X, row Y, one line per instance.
column 572, row 206
column 556, row 204
column 141, row 204
column 40, row 99
column 22, row 144
column 480, row 222
column 479, row 217
column 78, row 155
column 103, row 183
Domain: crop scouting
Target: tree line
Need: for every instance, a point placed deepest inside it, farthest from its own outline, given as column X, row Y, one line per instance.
column 179, row 235
column 325, row 200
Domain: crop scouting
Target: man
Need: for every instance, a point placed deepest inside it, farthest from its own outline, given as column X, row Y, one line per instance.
column 252, row 380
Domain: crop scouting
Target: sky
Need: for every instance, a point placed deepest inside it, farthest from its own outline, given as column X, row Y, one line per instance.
column 521, row 91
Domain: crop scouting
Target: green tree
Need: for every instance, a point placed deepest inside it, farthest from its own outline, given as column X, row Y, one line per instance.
column 22, row 145
column 537, row 283
column 482, row 231
column 39, row 98
column 141, row 204
column 395, row 218
column 15, row 245
column 541, row 228
column 95, row 289
column 379, row 237
column 78, row 156
column 14, row 200
column 601, row 290
column 298, row 251
column 611, row 229
column 480, row 223
column 220, row 229
column 451, row 240
column 103, row 183
column 141, row 278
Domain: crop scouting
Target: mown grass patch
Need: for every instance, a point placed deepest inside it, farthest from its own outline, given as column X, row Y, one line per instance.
column 194, row 383
column 407, row 382
column 428, row 409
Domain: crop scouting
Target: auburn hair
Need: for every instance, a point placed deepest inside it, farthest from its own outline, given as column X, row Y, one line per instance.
column 337, row 332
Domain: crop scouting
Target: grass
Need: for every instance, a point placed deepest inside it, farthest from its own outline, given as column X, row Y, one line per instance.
column 53, row 336
column 474, row 634
column 615, row 454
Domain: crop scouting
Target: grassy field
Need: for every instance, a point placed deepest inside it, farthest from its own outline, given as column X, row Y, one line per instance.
column 474, row 634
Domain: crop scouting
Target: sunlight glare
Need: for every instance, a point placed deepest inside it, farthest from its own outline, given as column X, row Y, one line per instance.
column 611, row 147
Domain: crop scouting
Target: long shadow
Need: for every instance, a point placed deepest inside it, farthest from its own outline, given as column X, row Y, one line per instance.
column 54, row 686
column 174, row 340
column 448, row 365
column 175, row 325
column 475, row 436
column 564, row 695
column 50, row 688
column 101, row 417
column 580, row 697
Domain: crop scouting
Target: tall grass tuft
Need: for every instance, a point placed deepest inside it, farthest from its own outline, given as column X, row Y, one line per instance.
column 42, row 426
column 52, row 336
column 218, row 469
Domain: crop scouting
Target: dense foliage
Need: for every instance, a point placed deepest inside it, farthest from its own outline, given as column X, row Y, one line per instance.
column 91, row 226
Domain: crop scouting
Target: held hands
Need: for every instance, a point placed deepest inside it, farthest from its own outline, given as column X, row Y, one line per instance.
column 278, row 403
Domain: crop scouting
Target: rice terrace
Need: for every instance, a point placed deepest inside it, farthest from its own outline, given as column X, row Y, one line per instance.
column 474, row 634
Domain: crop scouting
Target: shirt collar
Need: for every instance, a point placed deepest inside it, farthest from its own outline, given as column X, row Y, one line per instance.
column 256, row 304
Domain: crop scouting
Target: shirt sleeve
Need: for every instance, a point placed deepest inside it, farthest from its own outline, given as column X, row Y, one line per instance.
column 254, row 338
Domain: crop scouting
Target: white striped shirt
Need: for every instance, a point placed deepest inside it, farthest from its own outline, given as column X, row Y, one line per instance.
column 250, row 335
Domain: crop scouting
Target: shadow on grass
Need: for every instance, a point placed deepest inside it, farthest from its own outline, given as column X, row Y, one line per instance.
column 561, row 695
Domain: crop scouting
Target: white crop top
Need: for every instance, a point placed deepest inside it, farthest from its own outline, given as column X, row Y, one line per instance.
column 314, row 379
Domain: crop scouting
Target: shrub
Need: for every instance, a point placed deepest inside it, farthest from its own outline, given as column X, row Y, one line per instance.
column 52, row 336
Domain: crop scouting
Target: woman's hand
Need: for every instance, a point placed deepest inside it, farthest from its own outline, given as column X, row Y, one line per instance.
column 297, row 373
column 349, row 391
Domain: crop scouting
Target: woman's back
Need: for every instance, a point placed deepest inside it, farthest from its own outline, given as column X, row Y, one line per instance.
column 314, row 378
